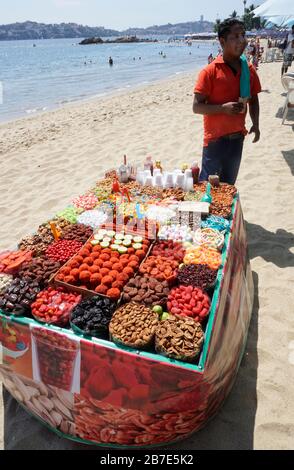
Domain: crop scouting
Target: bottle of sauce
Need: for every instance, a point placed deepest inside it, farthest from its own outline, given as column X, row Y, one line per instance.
column 195, row 172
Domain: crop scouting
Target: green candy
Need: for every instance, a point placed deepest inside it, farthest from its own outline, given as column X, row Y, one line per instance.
column 164, row 316
column 157, row 309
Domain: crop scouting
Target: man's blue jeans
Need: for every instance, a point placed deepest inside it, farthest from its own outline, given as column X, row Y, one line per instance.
column 222, row 157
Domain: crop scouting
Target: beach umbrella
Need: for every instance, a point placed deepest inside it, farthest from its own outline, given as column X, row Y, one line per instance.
column 274, row 8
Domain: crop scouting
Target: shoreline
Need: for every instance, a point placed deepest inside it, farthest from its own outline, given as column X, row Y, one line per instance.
column 74, row 110
column 103, row 96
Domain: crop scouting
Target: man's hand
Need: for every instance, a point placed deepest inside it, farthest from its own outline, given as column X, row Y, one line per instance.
column 232, row 108
column 255, row 130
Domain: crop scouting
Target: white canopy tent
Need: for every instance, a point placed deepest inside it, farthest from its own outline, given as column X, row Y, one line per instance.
column 279, row 12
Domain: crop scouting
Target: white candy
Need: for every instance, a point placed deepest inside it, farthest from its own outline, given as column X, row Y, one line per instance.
column 176, row 232
column 93, row 218
column 160, row 214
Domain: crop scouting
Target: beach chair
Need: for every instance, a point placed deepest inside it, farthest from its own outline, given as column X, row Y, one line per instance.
column 288, row 84
column 269, row 57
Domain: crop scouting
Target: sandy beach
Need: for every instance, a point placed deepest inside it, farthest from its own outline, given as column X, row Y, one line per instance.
column 48, row 159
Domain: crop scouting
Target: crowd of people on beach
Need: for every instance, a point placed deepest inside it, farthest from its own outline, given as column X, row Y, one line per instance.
column 253, row 53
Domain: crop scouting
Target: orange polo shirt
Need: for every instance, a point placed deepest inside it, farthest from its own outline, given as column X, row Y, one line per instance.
column 220, row 85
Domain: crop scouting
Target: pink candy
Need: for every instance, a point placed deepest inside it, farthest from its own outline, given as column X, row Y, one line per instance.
column 86, row 201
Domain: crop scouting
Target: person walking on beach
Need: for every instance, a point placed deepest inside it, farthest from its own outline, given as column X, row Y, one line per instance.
column 288, row 52
column 216, row 96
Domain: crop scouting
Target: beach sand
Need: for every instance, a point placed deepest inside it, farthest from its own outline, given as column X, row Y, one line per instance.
column 48, row 159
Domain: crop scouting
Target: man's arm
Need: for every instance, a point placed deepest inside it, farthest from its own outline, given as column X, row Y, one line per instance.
column 200, row 106
column 254, row 114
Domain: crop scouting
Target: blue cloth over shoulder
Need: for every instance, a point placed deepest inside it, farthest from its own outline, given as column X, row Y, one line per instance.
column 245, row 78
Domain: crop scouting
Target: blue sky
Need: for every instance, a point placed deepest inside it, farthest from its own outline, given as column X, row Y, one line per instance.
column 117, row 14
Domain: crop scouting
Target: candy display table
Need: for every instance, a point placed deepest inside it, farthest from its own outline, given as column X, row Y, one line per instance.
column 92, row 391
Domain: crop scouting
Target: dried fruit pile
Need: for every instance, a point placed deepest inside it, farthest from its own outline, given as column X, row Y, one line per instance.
column 160, row 268
column 146, row 290
column 179, row 337
column 202, row 255
column 197, row 275
column 93, row 315
column 11, row 261
column 189, row 301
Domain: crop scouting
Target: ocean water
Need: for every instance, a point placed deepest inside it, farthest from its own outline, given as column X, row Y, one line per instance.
column 59, row 71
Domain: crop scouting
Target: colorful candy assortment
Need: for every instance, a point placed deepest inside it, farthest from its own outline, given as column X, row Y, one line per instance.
column 93, row 218
column 209, row 237
column 217, row 223
column 189, row 301
column 169, row 249
column 176, row 232
column 197, row 275
column 203, row 255
column 19, row 296
column 5, row 281
column 104, row 270
column 54, row 306
column 135, row 296
column 161, row 268
column 70, row 214
column 86, row 201
column 62, row 250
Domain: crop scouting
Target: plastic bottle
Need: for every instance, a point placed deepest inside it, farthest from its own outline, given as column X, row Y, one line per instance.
column 207, row 196
column 158, row 165
column 195, row 172
column 123, row 171
column 185, row 167
column 148, row 164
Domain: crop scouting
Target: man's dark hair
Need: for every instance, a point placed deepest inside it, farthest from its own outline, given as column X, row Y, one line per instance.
column 225, row 27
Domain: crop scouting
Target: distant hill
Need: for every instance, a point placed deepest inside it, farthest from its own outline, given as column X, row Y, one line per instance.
column 33, row 30
column 173, row 29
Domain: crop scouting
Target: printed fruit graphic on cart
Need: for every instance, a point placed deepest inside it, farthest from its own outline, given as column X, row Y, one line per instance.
column 14, row 342
column 56, row 357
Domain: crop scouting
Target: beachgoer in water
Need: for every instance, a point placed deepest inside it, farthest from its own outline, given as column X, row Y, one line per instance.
column 210, row 58
column 110, row 61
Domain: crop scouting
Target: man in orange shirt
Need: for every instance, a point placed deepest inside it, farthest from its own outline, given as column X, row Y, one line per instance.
column 216, row 96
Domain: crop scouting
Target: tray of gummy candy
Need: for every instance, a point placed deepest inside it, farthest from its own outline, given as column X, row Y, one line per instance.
column 104, row 264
